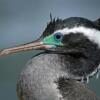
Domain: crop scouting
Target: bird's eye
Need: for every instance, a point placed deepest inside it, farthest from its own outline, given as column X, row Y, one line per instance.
column 58, row 36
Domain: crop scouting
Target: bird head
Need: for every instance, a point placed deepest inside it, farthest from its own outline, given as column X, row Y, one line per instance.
column 78, row 39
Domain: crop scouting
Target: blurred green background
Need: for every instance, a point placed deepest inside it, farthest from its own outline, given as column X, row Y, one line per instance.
column 23, row 21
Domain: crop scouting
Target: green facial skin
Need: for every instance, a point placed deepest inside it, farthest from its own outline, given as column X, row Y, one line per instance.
column 50, row 40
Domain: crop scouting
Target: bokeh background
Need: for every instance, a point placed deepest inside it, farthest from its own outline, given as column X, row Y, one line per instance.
column 23, row 21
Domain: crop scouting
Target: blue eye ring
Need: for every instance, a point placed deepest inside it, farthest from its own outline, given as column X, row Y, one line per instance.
column 58, row 36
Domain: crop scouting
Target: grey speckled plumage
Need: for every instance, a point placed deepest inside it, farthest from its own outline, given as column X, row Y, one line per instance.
column 71, row 56
column 56, row 73
column 48, row 81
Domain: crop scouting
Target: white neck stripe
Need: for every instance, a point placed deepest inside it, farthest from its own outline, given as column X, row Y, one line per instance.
column 91, row 33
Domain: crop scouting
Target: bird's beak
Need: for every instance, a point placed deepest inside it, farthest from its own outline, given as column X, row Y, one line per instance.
column 36, row 45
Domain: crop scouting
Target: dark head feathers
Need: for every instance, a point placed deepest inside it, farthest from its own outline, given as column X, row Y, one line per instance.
column 71, row 22
column 97, row 22
column 53, row 25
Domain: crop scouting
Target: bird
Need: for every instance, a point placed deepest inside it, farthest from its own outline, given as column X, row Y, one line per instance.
column 69, row 57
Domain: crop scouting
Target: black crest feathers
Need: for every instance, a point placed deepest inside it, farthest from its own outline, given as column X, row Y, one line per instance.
column 52, row 26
